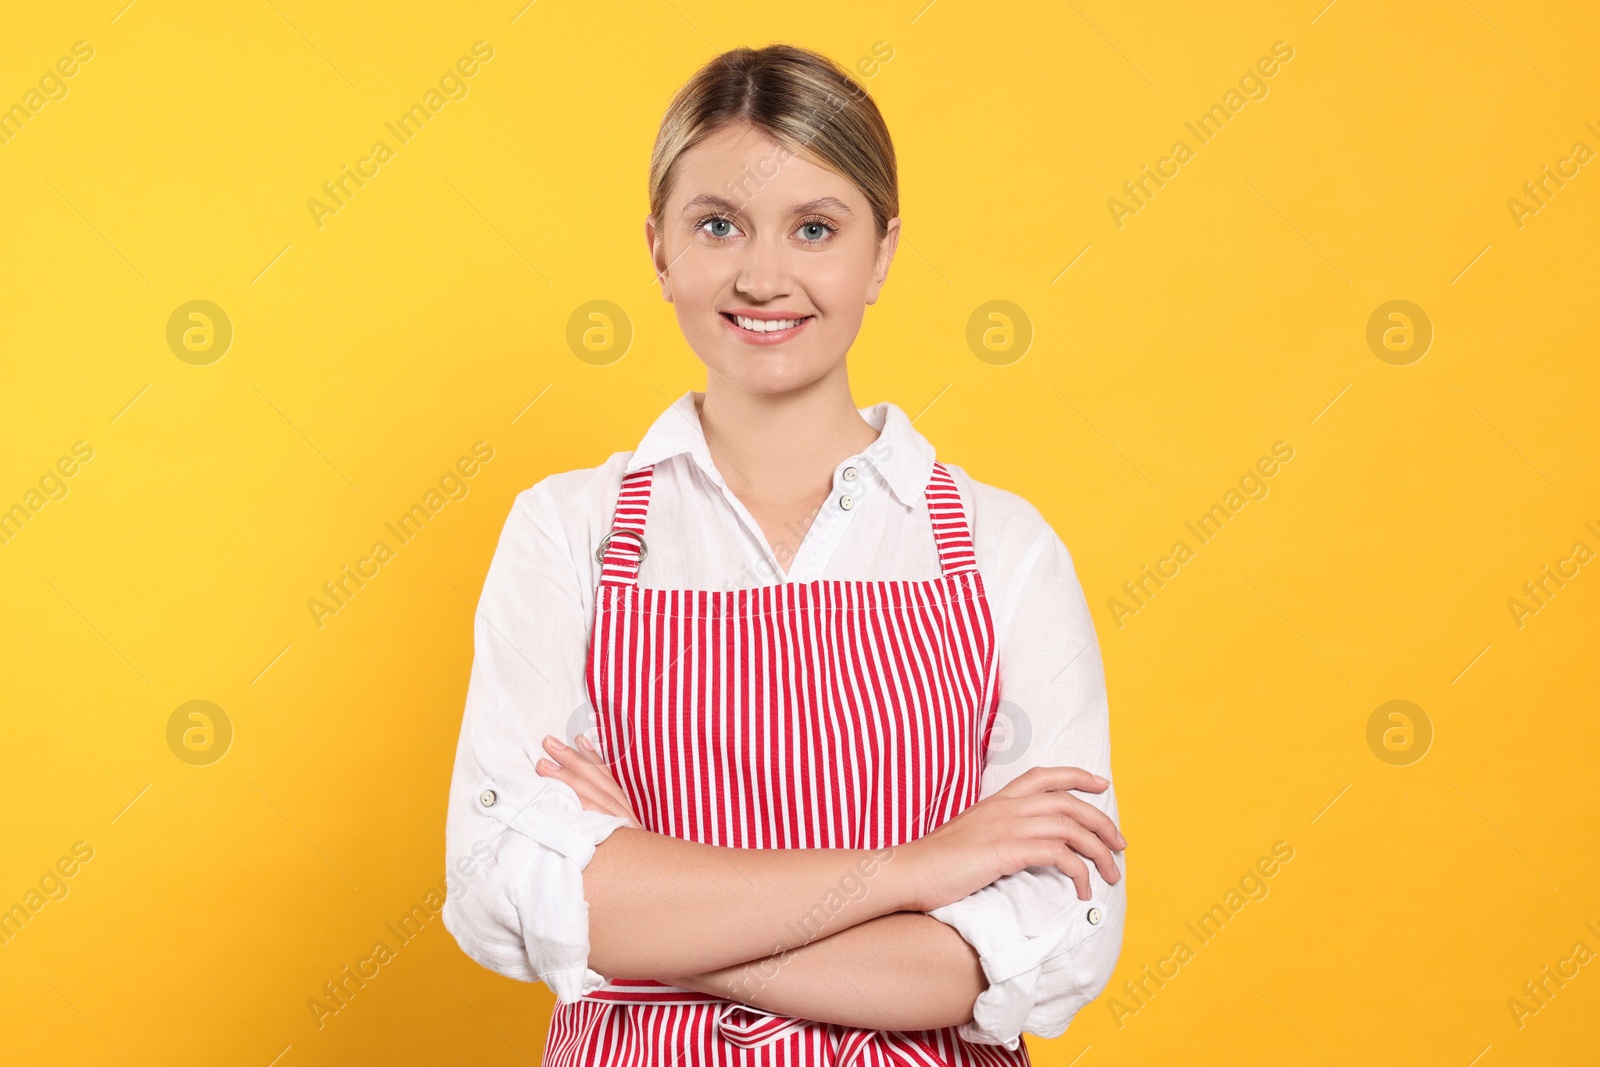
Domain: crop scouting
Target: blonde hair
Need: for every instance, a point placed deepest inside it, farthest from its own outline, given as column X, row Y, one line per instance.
column 803, row 100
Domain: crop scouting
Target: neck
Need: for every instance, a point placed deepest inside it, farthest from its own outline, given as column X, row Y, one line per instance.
column 779, row 448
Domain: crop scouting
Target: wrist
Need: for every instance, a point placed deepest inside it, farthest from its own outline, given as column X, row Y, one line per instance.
column 895, row 875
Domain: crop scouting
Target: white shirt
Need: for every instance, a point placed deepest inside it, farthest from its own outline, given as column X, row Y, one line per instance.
column 517, row 842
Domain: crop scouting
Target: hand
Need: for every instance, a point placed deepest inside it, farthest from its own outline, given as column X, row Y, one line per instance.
column 583, row 770
column 1032, row 822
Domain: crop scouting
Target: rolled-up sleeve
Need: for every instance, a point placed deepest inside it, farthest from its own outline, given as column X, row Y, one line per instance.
column 516, row 842
column 1045, row 952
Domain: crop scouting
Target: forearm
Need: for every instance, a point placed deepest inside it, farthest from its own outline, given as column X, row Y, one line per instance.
column 660, row 905
column 902, row 971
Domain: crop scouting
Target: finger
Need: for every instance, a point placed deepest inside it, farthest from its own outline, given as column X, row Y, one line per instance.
column 574, row 759
column 589, row 750
column 591, row 795
column 597, row 789
column 1063, row 803
column 584, row 777
column 562, row 752
column 599, row 775
column 572, row 769
column 586, row 750
column 548, row 768
column 602, row 784
column 601, row 767
column 1040, row 779
column 1088, row 846
column 1064, row 827
column 1070, row 865
column 1083, row 811
column 557, row 752
column 593, row 783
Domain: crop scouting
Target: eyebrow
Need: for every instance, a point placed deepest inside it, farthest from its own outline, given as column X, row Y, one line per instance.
column 821, row 203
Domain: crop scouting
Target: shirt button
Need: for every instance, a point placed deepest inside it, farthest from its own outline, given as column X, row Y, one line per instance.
column 1094, row 916
column 487, row 798
column 847, row 502
column 849, row 474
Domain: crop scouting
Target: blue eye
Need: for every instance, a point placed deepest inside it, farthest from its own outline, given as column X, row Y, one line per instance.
column 716, row 221
column 823, row 227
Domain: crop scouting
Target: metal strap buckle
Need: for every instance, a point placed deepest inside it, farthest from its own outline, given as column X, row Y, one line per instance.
column 605, row 542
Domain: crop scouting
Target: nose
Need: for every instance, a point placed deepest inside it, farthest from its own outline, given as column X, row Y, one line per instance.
column 764, row 268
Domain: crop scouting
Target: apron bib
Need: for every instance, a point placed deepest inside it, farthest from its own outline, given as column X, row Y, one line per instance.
column 823, row 714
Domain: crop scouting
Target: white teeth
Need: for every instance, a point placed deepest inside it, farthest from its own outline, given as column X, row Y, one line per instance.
column 766, row 325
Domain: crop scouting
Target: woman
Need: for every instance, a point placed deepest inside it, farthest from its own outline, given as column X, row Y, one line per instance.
column 734, row 777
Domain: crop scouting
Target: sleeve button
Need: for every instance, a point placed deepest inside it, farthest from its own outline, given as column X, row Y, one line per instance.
column 487, row 798
column 1094, row 916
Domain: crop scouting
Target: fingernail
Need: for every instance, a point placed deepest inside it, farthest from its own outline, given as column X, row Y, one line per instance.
column 1099, row 779
column 556, row 741
column 543, row 765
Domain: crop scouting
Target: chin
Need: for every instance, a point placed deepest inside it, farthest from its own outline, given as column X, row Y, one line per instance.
column 776, row 377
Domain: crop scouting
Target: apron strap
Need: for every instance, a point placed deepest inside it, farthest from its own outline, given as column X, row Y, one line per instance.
column 623, row 548
column 950, row 531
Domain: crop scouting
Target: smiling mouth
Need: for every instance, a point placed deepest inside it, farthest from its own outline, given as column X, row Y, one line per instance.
column 763, row 327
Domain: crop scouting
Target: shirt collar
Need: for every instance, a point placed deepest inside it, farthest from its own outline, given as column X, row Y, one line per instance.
column 901, row 455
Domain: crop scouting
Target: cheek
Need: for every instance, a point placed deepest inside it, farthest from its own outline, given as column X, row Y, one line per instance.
column 695, row 294
column 698, row 279
column 837, row 285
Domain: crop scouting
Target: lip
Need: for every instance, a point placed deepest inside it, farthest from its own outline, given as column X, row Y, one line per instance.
column 775, row 337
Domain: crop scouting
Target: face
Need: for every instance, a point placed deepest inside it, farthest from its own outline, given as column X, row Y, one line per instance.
column 752, row 231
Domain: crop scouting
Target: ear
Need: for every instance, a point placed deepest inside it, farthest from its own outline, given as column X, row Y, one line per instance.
column 658, row 256
column 885, row 256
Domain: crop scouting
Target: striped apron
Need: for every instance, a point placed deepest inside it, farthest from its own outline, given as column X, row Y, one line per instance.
column 824, row 714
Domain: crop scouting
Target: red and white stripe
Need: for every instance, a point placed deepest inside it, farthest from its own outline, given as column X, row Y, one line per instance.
column 823, row 714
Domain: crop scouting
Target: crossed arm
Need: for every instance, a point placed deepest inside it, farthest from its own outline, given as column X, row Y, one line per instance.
column 770, row 928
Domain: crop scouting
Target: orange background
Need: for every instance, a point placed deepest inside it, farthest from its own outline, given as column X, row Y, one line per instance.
column 1430, row 878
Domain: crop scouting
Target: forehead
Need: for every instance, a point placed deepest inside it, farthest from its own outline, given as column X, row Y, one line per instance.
column 740, row 161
